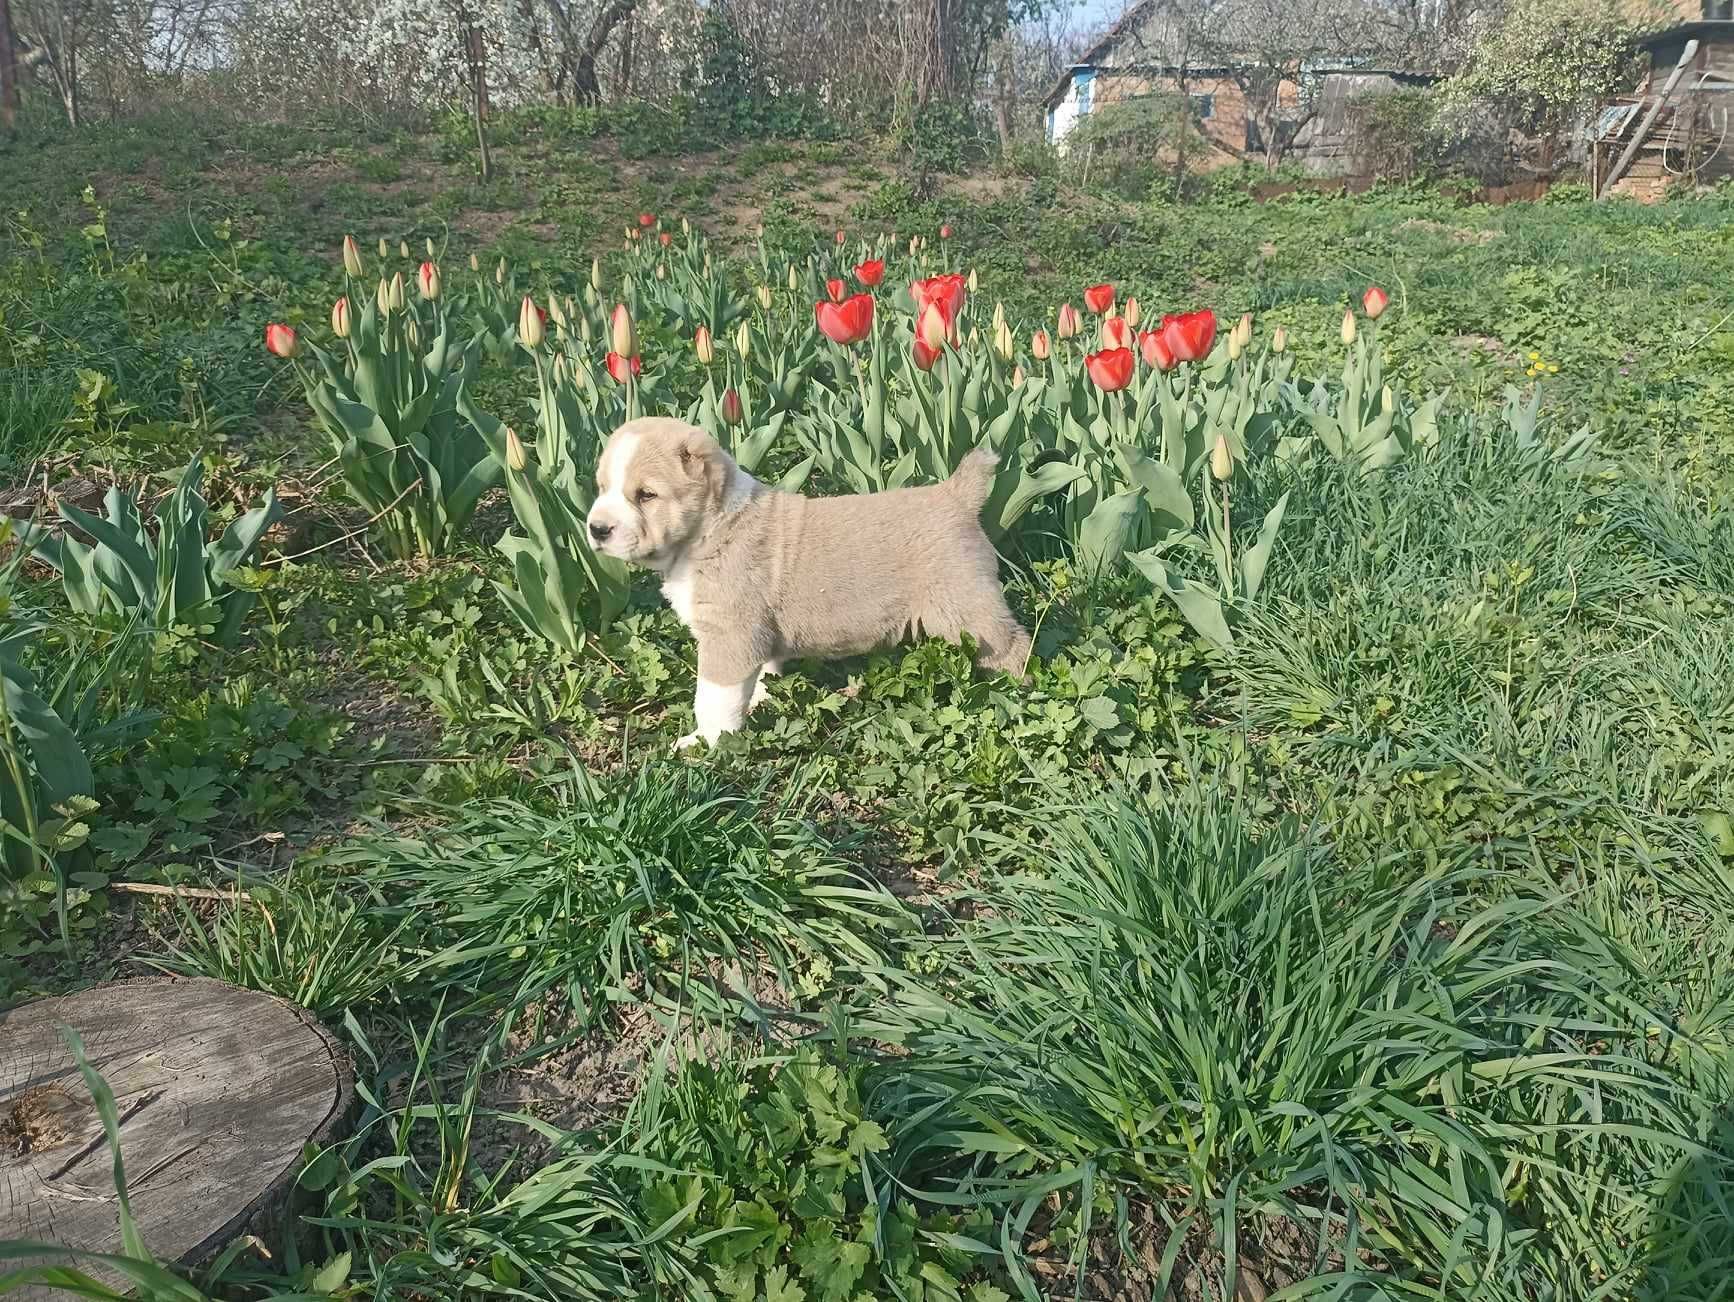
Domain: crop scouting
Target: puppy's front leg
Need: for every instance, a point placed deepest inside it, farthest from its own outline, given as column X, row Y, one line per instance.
column 760, row 692
column 719, row 708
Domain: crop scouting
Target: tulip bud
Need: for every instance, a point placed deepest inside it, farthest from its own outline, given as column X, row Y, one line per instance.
column 623, row 339
column 1040, row 347
column 340, row 318
column 744, row 341
column 281, row 341
column 973, row 282
column 945, row 232
column 571, row 309
column 1348, row 328
column 559, row 368
column 841, row 239
column 932, row 327
column 1017, row 376
column 1069, row 325
column 584, row 331
column 765, row 297
column 998, row 315
column 793, row 282
column 555, row 313
column 384, row 249
column 430, row 248
column 398, row 296
column 914, row 244
column 530, row 329
column 427, row 281
column 665, row 239
column 1002, row 341
column 412, row 333
column 516, row 458
column 1133, row 314
column 1221, row 460
column 732, row 411
column 685, row 226
column 383, row 297
column 1279, row 340
column 1374, row 302
column 1245, row 328
column 475, row 263
column 500, row 272
column 661, row 272
column 707, row 267
column 1234, row 344
column 403, row 248
column 351, row 257
column 1387, row 400
column 701, row 345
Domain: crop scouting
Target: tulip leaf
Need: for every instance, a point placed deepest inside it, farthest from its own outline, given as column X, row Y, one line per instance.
column 1257, row 557
column 1198, row 605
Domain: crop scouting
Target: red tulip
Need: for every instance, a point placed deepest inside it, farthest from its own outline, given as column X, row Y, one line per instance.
column 1374, row 302
column 281, row 341
column 871, row 273
column 618, row 365
column 1190, row 335
column 925, row 357
column 947, row 291
column 340, row 317
column 1068, row 324
column 666, row 239
column 848, row 322
column 1156, row 353
column 647, row 219
column 1111, row 369
column 837, row 289
column 1040, row 345
column 1099, row 298
column 427, row 280
column 945, row 232
column 842, row 239
column 1116, row 333
column 733, row 413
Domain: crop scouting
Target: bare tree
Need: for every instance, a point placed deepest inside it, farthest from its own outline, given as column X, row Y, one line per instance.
column 578, row 54
column 8, row 70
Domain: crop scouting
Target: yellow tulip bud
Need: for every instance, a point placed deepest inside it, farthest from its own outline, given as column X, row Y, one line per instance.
column 531, row 332
column 702, row 346
column 1279, row 340
column 596, row 274
column 793, row 281
column 340, row 318
column 500, row 272
column 623, row 338
column 1221, row 460
column 1133, row 313
column 397, row 294
column 1387, row 400
column 403, row 248
column 430, row 248
column 1017, row 376
column 475, row 263
column 516, row 458
column 384, row 249
column 765, row 297
column 974, row 284
column 383, row 297
column 744, row 341
column 351, row 257
column 1348, row 328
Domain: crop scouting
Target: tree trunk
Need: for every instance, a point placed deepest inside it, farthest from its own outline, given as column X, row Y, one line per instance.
column 1005, row 92
column 218, row 1090
column 8, row 70
column 478, row 58
column 585, row 89
column 626, row 58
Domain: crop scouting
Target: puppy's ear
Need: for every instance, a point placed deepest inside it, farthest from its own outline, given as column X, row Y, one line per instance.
column 702, row 458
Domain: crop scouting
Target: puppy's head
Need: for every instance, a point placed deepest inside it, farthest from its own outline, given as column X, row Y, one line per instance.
column 657, row 483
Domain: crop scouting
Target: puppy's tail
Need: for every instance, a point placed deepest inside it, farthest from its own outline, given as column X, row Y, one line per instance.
column 972, row 482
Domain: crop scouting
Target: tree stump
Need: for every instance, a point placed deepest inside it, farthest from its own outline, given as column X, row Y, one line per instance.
column 218, row 1089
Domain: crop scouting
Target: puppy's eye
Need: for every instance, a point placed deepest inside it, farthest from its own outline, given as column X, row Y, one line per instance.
column 644, row 495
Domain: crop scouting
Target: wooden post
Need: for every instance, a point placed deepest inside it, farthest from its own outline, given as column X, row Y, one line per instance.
column 8, row 69
column 1643, row 132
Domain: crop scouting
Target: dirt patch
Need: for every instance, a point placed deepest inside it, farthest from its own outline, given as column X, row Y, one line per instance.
column 1486, row 345
column 1453, row 234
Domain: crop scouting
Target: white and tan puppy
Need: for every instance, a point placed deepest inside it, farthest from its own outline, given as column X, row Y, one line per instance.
column 762, row 576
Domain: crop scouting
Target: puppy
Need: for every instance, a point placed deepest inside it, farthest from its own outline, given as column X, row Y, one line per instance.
column 762, row 577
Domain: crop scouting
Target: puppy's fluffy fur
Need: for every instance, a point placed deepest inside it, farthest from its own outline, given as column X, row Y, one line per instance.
column 762, row 576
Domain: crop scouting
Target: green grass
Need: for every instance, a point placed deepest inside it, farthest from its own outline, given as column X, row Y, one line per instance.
column 1387, row 957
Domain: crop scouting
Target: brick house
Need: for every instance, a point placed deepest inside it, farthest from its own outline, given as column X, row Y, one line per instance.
column 1145, row 54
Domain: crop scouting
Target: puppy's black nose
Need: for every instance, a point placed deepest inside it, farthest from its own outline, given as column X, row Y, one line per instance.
column 600, row 532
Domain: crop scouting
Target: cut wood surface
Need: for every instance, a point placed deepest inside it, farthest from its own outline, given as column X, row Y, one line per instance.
column 218, row 1090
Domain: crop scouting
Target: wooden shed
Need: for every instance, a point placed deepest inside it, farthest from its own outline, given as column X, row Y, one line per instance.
column 1676, row 127
column 1328, row 145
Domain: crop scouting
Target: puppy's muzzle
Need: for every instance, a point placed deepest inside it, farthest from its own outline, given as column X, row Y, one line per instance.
column 599, row 532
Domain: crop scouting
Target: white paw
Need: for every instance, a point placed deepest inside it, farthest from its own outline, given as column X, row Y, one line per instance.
column 760, row 695
column 691, row 739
